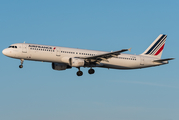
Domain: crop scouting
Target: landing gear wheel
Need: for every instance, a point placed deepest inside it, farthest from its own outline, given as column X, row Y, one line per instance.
column 20, row 66
column 91, row 71
column 79, row 73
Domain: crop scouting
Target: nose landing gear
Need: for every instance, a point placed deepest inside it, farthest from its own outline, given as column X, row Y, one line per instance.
column 21, row 66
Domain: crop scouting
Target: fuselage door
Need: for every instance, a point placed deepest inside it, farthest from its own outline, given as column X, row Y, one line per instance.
column 58, row 51
column 24, row 48
column 141, row 60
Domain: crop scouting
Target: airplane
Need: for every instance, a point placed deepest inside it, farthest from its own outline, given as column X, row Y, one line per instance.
column 63, row 58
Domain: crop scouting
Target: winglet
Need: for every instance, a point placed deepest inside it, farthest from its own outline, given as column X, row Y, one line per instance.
column 129, row 49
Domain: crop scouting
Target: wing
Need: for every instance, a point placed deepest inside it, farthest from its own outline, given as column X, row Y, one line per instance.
column 104, row 57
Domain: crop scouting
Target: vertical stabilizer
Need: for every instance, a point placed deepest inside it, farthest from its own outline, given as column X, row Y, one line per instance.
column 156, row 48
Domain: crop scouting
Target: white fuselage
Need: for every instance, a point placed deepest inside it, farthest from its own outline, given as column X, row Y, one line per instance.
column 56, row 54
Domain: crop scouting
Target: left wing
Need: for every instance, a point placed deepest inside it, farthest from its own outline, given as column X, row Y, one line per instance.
column 104, row 57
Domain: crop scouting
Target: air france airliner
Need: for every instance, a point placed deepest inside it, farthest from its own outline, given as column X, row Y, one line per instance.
column 63, row 58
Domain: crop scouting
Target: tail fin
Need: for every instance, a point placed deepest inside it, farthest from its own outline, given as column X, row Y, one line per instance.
column 156, row 48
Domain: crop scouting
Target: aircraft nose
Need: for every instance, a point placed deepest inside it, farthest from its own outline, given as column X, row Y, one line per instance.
column 4, row 52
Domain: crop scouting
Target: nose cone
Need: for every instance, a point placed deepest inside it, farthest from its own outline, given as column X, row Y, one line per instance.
column 5, row 52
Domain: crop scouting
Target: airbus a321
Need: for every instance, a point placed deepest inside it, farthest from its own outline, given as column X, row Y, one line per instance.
column 63, row 58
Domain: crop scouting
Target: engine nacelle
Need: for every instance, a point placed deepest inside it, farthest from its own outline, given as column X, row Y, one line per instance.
column 60, row 66
column 76, row 62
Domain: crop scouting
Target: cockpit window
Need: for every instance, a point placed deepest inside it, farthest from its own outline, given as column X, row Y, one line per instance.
column 12, row 47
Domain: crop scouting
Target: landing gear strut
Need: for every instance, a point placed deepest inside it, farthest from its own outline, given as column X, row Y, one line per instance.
column 91, row 71
column 21, row 66
column 79, row 73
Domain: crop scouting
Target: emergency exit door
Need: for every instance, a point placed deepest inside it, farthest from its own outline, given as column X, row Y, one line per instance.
column 141, row 60
column 24, row 48
column 58, row 52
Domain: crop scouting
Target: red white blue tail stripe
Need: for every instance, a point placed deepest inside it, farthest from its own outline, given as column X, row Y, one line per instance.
column 157, row 46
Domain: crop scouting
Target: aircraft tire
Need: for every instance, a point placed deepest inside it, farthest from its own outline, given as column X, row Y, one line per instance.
column 91, row 71
column 20, row 66
column 79, row 73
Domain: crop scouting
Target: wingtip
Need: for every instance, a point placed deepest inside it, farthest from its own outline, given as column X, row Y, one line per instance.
column 129, row 49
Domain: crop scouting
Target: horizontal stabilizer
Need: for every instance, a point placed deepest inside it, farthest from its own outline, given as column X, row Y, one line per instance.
column 162, row 60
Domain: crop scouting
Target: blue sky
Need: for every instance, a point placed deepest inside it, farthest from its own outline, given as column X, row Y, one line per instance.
column 37, row 92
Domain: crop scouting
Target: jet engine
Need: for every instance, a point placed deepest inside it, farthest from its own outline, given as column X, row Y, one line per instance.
column 60, row 66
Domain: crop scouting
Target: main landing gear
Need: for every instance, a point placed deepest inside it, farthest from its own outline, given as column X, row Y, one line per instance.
column 80, row 73
column 91, row 71
column 21, row 66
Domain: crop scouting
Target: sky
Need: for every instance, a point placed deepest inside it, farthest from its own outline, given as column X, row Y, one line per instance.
column 37, row 92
